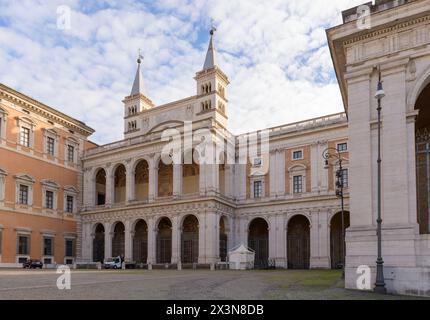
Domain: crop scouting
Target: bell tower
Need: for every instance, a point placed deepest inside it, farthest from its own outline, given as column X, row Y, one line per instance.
column 212, row 84
column 135, row 103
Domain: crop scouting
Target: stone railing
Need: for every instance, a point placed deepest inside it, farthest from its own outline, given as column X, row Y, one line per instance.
column 380, row 5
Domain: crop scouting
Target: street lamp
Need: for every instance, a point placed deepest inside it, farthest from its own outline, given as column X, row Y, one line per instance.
column 339, row 191
column 380, row 283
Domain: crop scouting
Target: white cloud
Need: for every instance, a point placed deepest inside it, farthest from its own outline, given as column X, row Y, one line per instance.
column 275, row 54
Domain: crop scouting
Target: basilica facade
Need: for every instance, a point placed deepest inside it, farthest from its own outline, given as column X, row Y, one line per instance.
column 280, row 201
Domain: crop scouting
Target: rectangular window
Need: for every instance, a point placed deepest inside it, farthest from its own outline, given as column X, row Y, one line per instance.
column 70, row 248
column 50, row 145
column 48, row 246
column 258, row 189
column 23, row 194
column 25, row 137
column 70, row 153
column 344, row 178
column 257, row 162
column 297, row 184
column 342, row 146
column 69, row 204
column 49, row 199
column 23, row 244
column 297, row 154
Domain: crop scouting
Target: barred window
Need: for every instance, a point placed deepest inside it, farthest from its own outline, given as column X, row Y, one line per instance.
column 69, row 204
column 23, row 194
column 70, row 153
column 258, row 189
column 70, row 248
column 23, row 245
column 24, row 137
column 344, row 179
column 342, row 146
column 50, row 146
column 49, row 199
column 48, row 246
column 297, row 184
column 297, row 154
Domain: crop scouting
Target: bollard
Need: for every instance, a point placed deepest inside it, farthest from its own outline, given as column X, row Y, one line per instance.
column 179, row 266
column 212, row 266
column 149, row 266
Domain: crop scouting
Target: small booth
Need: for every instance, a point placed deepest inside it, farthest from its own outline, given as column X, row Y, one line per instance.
column 241, row 258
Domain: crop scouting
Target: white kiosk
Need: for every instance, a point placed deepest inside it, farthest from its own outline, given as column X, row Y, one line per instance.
column 241, row 258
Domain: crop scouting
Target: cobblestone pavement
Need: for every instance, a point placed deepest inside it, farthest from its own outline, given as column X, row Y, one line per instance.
column 185, row 284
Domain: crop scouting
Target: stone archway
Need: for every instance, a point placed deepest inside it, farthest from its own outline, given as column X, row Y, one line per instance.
column 223, row 238
column 119, row 184
column 118, row 240
column 190, row 240
column 258, row 240
column 422, row 149
column 337, row 248
column 100, row 187
column 99, row 243
column 298, row 242
column 164, row 241
column 141, row 181
column 140, row 242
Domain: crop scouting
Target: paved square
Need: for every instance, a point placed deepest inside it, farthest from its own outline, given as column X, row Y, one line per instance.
column 185, row 284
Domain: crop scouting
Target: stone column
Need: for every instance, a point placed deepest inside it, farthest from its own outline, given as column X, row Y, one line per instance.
column 128, row 250
column 152, row 241
column 280, row 172
column 110, row 189
column 315, row 183
column 108, row 240
column 208, row 237
column 176, row 239
column 322, row 171
column 273, row 174
column 130, row 183
column 177, row 180
column 319, row 237
column 229, row 180
column 89, row 188
column 202, row 179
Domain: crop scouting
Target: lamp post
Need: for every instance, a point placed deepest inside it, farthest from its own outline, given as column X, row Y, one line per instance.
column 380, row 283
column 339, row 192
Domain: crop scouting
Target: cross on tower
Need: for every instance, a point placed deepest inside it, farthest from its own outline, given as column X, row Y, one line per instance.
column 139, row 57
column 213, row 29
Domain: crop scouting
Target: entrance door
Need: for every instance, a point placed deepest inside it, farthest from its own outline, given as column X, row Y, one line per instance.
column 298, row 243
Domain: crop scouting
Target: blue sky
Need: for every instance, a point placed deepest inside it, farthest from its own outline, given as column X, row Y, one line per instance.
column 274, row 52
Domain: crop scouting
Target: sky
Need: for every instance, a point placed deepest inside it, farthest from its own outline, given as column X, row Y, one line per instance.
column 274, row 52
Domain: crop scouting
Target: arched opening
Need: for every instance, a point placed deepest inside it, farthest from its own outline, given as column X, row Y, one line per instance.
column 337, row 239
column 298, row 242
column 164, row 241
column 190, row 173
column 99, row 243
column 118, row 240
column 422, row 144
column 223, row 239
column 258, row 240
column 140, row 242
column 165, row 179
column 119, row 184
column 141, row 180
column 100, row 187
column 190, row 240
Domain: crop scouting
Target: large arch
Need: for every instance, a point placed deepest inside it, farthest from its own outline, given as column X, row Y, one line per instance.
column 140, row 241
column 258, row 240
column 100, row 187
column 99, row 243
column 337, row 239
column 190, row 240
column 119, row 183
column 190, row 173
column 165, row 179
column 298, row 242
column 164, row 241
column 422, row 144
column 223, row 238
column 118, row 240
column 141, row 180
